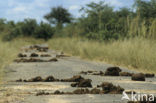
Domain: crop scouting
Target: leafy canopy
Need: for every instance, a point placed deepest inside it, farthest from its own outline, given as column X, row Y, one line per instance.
column 58, row 15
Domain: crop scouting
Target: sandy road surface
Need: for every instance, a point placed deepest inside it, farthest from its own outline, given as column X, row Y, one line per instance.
column 19, row 92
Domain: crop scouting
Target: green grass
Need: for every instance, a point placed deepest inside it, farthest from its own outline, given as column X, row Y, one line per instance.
column 136, row 53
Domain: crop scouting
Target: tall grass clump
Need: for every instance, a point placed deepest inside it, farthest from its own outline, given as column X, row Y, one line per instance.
column 138, row 53
column 144, row 28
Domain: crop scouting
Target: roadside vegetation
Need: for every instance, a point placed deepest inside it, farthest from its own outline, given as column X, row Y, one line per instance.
column 9, row 51
column 136, row 53
column 126, row 36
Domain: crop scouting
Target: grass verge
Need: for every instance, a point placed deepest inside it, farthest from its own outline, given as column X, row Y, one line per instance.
column 9, row 51
column 136, row 53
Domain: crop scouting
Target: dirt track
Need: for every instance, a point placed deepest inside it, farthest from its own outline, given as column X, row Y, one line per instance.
column 66, row 67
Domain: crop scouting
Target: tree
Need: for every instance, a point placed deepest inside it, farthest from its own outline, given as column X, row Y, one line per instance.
column 124, row 12
column 146, row 9
column 98, row 15
column 58, row 16
column 44, row 31
column 2, row 24
column 28, row 26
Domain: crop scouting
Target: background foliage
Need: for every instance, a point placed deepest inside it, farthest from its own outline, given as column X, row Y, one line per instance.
column 99, row 22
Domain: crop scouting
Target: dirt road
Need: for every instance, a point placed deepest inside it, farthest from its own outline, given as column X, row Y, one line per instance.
column 66, row 67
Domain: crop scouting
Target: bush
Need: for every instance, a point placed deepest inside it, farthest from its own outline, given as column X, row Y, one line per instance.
column 2, row 24
column 44, row 31
column 28, row 27
column 92, row 35
column 108, row 35
column 14, row 32
column 103, row 35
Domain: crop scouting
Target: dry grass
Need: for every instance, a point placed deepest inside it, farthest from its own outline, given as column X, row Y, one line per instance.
column 137, row 53
column 9, row 51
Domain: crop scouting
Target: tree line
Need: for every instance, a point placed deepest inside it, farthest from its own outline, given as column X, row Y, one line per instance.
column 99, row 21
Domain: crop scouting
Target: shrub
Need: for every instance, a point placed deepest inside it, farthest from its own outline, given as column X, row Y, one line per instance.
column 28, row 27
column 103, row 35
column 14, row 32
column 108, row 35
column 2, row 24
column 44, row 31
